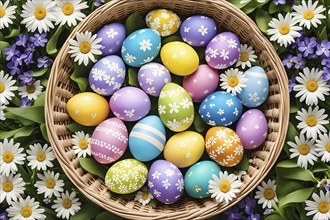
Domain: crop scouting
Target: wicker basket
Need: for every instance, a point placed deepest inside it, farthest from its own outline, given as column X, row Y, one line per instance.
column 60, row 88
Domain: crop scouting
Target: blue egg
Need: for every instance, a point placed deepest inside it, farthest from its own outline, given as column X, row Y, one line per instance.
column 147, row 138
column 220, row 109
column 141, row 47
column 257, row 87
column 196, row 179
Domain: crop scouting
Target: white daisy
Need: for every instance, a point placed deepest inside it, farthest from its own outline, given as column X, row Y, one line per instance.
column 10, row 155
column 49, row 184
column 12, row 188
column 6, row 88
column 81, row 144
column 304, row 149
column 283, row 29
column 266, row 194
column 85, row 47
column 69, row 11
column 6, row 14
column 143, row 196
column 38, row 15
column 233, row 81
column 66, row 205
column 40, row 157
column 323, row 147
column 320, row 207
column 225, row 187
column 26, row 209
column 311, row 86
column 308, row 14
column 247, row 55
column 312, row 121
column 31, row 91
column 2, row 112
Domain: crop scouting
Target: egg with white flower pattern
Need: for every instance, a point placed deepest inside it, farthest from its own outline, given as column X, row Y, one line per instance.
column 257, row 87
column 165, row 181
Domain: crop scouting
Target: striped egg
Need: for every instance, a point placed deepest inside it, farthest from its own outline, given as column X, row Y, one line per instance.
column 147, row 138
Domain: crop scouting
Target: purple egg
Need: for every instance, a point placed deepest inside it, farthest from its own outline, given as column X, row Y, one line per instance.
column 113, row 36
column 152, row 78
column 165, row 181
column 252, row 128
column 130, row 103
column 223, row 50
column 198, row 30
column 107, row 75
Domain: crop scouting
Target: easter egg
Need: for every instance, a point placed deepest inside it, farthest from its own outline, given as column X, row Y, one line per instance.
column 252, row 128
column 165, row 181
column 109, row 141
column 164, row 21
column 88, row 108
column 198, row 30
column 201, row 83
column 126, row 176
column 197, row 177
column 152, row 77
column 107, row 75
column 224, row 146
column 223, row 50
column 184, row 149
column 175, row 107
column 220, row 108
column 130, row 103
column 147, row 138
column 257, row 86
column 179, row 58
column 141, row 47
column 113, row 36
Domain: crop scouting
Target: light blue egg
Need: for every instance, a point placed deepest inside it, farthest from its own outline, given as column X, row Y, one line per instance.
column 196, row 179
column 220, row 109
column 147, row 138
column 141, row 47
column 257, row 87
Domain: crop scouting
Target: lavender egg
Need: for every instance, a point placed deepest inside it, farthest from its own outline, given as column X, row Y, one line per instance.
column 107, row 75
column 130, row 103
column 223, row 50
column 113, row 36
column 152, row 78
column 198, row 30
column 165, row 181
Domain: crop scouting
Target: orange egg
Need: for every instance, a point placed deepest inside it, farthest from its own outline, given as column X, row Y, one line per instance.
column 224, row 146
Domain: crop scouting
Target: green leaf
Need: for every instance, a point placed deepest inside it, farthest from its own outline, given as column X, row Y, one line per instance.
column 132, row 74
column 277, row 8
column 108, row 216
column 51, row 46
column 287, row 186
column 320, row 167
column 86, row 212
column 25, row 175
column 273, row 216
column 287, row 164
column 134, row 22
column 40, row 72
column 82, row 83
column 238, row 4
column 3, row 45
column 323, row 35
column 14, row 32
column 19, row 132
column 199, row 124
column 40, row 101
column 298, row 196
column 74, row 127
column 172, row 38
column 43, row 130
column 296, row 174
column 292, row 133
column 90, row 165
column 33, row 113
column 252, row 5
column 244, row 164
column 262, row 19
column 153, row 203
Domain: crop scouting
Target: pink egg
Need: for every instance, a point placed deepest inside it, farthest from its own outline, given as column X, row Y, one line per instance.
column 252, row 128
column 109, row 140
column 202, row 82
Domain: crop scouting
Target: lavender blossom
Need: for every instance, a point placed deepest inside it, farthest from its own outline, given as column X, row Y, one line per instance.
column 44, row 62
column 30, row 48
column 39, row 40
column 299, row 62
column 3, row 215
column 22, row 40
column 247, row 204
column 292, row 83
column 281, row 2
column 26, row 78
column 98, row 3
column 11, row 51
column 25, row 102
column 288, row 62
column 307, row 46
column 233, row 213
column 323, row 48
column 14, row 69
column 19, row 60
column 255, row 216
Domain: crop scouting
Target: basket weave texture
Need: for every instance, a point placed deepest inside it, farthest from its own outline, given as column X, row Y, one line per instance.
column 276, row 109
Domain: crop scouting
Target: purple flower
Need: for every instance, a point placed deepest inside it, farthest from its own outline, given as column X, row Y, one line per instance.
column 26, row 78
column 292, row 83
column 255, row 216
column 326, row 62
column 323, row 48
column 29, row 60
column 30, row 48
column 276, row 2
column 19, row 60
column 307, row 46
column 288, row 62
column 44, row 62
column 22, row 40
column 297, row 40
column 299, row 62
column 14, row 69
column 233, row 213
column 247, row 204
column 3, row 215
column 98, row 3
column 25, row 102
column 39, row 39
column 11, row 51
column 267, row 211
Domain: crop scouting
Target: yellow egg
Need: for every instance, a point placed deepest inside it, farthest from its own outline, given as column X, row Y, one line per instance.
column 184, row 149
column 88, row 108
column 179, row 58
column 164, row 21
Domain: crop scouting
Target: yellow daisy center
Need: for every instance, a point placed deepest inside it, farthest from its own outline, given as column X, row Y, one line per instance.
column 83, row 144
column 323, row 207
column 284, row 29
column 8, row 157
column 233, row 81
column 2, row 87
column 244, row 57
column 41, row 156
column 312, row 86
column 68, row 9
column 2, row 12
column 304, row 149
column 269, row 194
column 30, row 89
column 67, row 203
column 224, row 186
column 40, row 13
column 7, row 186
column 145, row 195
column 327, row 147
column 85, row 47
column 50, row 184
column 26, row 212
column 308, row 14
column 311, row 121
